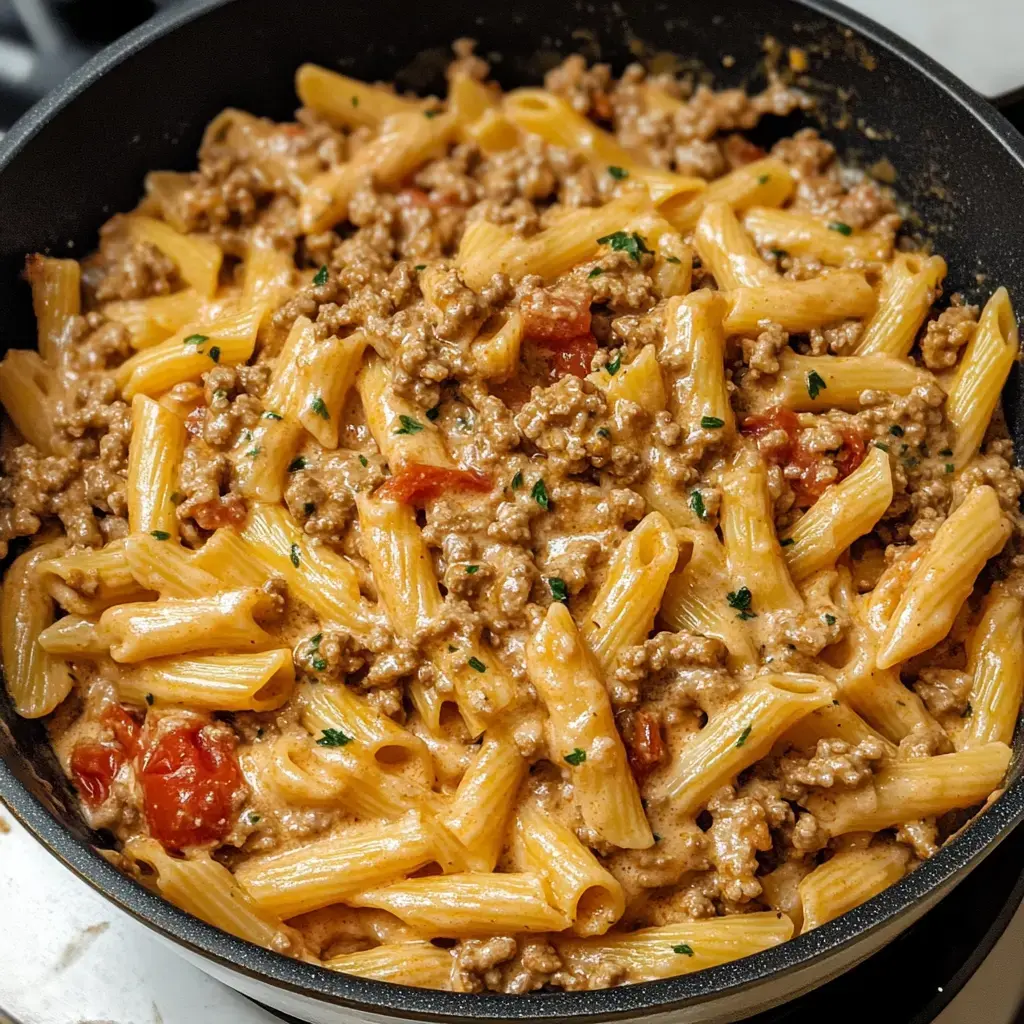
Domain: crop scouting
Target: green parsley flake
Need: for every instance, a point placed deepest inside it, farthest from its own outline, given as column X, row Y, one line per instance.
column 253, row 452
column 433, row 413
column 472, row 570
column 160, row 534
column 683, row 949
column 843, row 229
column 540, row 495
column 815, row 384
column 830, row 620
column 740, row 600
column 196, row 339
column 299, row 462
column 294, row 555
column 219, row 394
column 603, row 432
column 949, row 467
column 321, row 276
column 517, row 481
column 673, row 259
column 628, row 242
column 763, row 179
column 333, row 738
column 215, row 354
column 363, row 461
column 409, row 425
column 420, row 266
column 697, row 504
column 272, row 415
column 576, row 758
column 559, row 591
column 318, row 663
column 657, row 838
column 477, row 665
column 786, row 542
column 618, row 173
column 596, row 272
column 254, row 819
column 355, row 101
column 615, row 364
column 319, row 406
column 896, row 430
column 880, row 444
column 744, row 736
column 711, row 423
column 150, row 699
column 945, row 451
column 431, row 114
column 314, row 640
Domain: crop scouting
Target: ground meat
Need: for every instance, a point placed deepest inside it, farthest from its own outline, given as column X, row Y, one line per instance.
column 126, row 269
column 943, row 690
column 738, row 832
column 948, row 333
column 682, row 669
column 532, row 967
column 476, row 962
column 563, row 421
column 761, row 354
column 834, row 762
column 920, row 836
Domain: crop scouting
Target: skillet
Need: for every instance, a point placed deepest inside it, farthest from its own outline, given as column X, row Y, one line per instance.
column 81, row 154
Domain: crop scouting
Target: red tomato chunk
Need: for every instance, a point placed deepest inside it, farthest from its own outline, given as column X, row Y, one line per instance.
column 93, row 767
column 416, row 483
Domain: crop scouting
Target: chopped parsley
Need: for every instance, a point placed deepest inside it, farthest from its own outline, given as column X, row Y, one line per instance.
column 779, row 254
column 355, row 101
column 363, row 461
column 321, row 276
column 603, row 432
column 314, row 640
column 657, row 838
column 786, row 542
column 299, row 462
column 673, row 259
column 626, row 241
column 576, row 758
column 420, row 266
column 949, row 467
column 409, row 425
column 559, row 591
column 945, row 451
column 452, row 649
column 268, row 415
column 683, row 949
column 815, row 384
column 596, row 272
column 294, row 555
column 433, row 413
column 149, row 699
column 431, row 114
column 253, row 452
column 744, row 736
column 830, row 620
column 220, row 393
column 763, row 179
column 618, row 173
column 318, row 663
column 843, row 229
column 884, row 447
column 517, row 481
column 254, row 819
column 968, row 711
column 472, row 570
column 160, row 534
column 333, row 738
column 215, row 353
column 711, row 423
column 477, row 665
column 540, row 495
column 697, row 504
column 615, row 364
column 196, row 339
column 740, row 600
column 319, row 406
column 896, row 430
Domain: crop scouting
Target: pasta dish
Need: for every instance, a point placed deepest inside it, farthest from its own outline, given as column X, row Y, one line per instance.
column 531, row 539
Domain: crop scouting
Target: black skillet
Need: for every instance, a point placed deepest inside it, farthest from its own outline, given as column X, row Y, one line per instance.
column 81, row 154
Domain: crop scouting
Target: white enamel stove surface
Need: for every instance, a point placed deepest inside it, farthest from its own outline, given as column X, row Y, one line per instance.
column 67, row 956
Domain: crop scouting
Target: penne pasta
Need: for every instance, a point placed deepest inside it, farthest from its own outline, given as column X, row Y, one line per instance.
column 153, row 320
column 802, row 234
column 347, row 102
column 728, row 251
column 198, row 259
column 416, row 963
column 56, row 298
column 816, row 383
column 910, row 285
column 154, row 458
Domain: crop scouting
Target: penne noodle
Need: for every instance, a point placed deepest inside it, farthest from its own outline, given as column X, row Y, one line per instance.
column 817, row 383
column 416, row 963
column 728, row 251
column 153, row 320
column 802, row 234
column 347, row 102
column 56, row 298
column 28, row 389
column 910, row 285
column 639, row 382
column 154, row 458
column 198, row 259
column 85, row 582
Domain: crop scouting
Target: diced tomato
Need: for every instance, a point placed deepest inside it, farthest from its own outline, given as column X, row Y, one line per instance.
column 126, row 729
column 646, row 746
column 413, row 197
column 194, row 421
column 574, row 357
column 93, row 767
column 601, row 106
column 555, row 320
column 739, row 151
column 416, row 483
column 229, row 510
column 190, row 784
column 851, row 455
column 774, row 419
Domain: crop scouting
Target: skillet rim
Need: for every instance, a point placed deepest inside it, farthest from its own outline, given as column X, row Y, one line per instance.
column 381, row 999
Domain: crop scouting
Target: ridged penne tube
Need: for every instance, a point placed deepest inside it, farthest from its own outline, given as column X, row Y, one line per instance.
column 695, row 599
column 322, row 383
column 469, row 99
column 227, row 559
column 207, row 890
column 495, row 350
column 150, row 321
column 228, row 340
column 995, row 661
column 261, row 463
column 339, row 709
column 850, row 878
column 767, row 182
column 565, row 244
column 480, row 811
column 85, row 582
column 166, row 567
column 816, row 383
column 554, row 120
column 802, row 234
column 315, row 574
column 29, row 387
column 347, row 102
column 56, row 298
column 752, row 549
column 325, row 871
column 976, row 387
column 577, row 884
column 694, row 325
column 835, row 721
column 910, row 284
column 473, row 903
column 73, row 637
column 581, row 727
column 37, row 682
column 417, row 963
column 156, row 629
column 639, row 382
column 403, row 434
column 728, row 251
column 198, row 259
column 737, row 736
column 298, row 344
column 800, row 306
column 673, row 949
column 215, row 682
column 403, row 143
column 154, row 457
column 269, row 272
column 973, row 533
column 844, row 512
column 673, row 266
column 624, row 608
column 922, row 787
